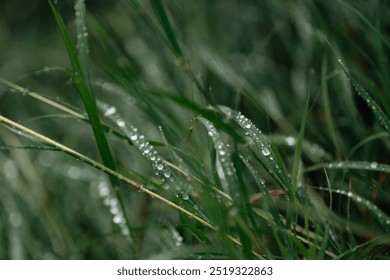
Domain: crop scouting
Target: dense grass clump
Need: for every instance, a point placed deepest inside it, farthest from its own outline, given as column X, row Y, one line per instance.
column 195, row 130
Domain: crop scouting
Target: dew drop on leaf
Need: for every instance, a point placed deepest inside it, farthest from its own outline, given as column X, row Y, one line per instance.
column 160, row 166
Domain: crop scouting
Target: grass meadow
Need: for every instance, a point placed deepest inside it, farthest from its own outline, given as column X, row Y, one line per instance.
column 225, row 129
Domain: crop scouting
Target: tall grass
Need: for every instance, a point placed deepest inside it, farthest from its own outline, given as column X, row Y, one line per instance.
column 177, row 130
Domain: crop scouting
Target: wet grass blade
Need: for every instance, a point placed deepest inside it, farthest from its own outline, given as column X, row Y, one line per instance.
column 371, row 103
column 101, row 167
column 327, row 108
column 357, row 165
column 82, row 39
column 384, row 39
column 267, row 157
column 382, row 217
column 298, row 147
column 81, row 83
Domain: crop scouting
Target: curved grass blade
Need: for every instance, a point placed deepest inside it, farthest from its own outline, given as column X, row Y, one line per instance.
column 367, row 140
column 115, row 174
column 268, row 158
column 83, row 87
column 358, row 165
column 312, row 150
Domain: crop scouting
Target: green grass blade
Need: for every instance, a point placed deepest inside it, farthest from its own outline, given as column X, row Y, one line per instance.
column 382, row 217
column 264, row 191
column 101, row 167
column 384, row 39
column 227, row 172
column 82, row 39
column 78, row 76
column 357, row 165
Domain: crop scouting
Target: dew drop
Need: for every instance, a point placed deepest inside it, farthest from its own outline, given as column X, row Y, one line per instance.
column 110, row 111
column 222, row 152
column 374, row 165
column 134, row 137
column 265, row 151
column 248, row 126
column 185, row 196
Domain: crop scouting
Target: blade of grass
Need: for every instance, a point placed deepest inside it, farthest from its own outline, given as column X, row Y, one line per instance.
column 384, row 39
column 382, row 217
column 101, row 167
column 81, row 83
column 358, row 165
